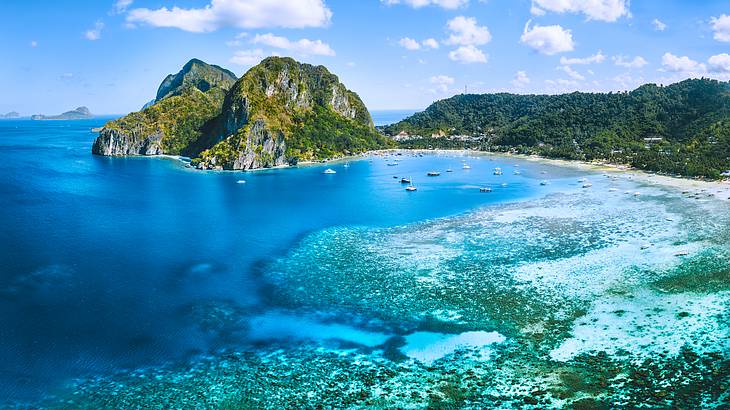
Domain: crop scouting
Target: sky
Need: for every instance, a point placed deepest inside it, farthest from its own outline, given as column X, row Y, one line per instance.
column 111, row 55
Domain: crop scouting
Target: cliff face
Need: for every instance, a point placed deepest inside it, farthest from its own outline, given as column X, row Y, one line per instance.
column 279, row 112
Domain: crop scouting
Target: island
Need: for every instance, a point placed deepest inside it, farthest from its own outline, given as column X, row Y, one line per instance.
column 10, row 115
column 278, row 113
column 682, row 129
column 80, row 113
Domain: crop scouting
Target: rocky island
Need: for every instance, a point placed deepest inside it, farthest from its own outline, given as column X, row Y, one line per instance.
column 79, row 113
column 10, row 115
column 280, row 112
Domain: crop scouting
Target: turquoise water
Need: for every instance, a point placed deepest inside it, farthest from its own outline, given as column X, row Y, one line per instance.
column 125, row 263
column 385, row 117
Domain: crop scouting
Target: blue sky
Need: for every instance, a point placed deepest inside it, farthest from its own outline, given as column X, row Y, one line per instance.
column 112, row 55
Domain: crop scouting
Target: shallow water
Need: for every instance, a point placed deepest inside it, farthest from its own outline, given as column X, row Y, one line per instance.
column 112, row 263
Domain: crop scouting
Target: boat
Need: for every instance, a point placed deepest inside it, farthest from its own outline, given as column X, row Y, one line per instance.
column 497, row 171
column 466, row 166
column 241, row 181
column 587, row 185
column 449, row 170
column 583, row 180
column 411, row 188
column 612, row 189
column 405, row 181
column 485, row 189
column 517, row 172
column 543, row 183
column 681, row 253
column 347, row 165
column 392, row 164
column 433, row 174
column 504, row 184
column 329, row 171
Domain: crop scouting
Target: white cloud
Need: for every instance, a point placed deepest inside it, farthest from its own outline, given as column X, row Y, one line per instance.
column 409, row 43
column 417, row 4
column 236, row 40
column 604, row 10
column 120, row 6
column 34, row 44
column 431, row 43
column 94, row 33
column 303, row 46
column 521, row 79
column 247, row 57
column 351, row 64
column 659, row 25
column 720, row 63
column 441, row 82
column 572, row 73
column 681, row 64
column 237, row 13
column 596, row 58
column 468, row 55
column 636, row 62
column 721, row 27
column 547, row 39
column 466, row 32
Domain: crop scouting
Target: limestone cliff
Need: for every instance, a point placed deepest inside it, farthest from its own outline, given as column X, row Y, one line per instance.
column 281, row 111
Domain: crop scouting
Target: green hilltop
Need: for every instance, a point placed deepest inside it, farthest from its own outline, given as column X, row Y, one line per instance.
column 281, row 111
column 683, row 128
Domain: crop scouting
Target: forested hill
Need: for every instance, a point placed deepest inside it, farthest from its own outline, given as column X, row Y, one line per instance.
column 683, row 128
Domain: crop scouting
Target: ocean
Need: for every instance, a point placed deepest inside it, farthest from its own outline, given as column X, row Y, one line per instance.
column 141, row 269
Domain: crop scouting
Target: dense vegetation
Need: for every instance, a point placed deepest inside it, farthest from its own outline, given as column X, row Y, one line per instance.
column 205, row 113
column 681, row 129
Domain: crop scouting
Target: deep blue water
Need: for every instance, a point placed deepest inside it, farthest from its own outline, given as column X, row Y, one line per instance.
column 102, row 260
column 385, row 117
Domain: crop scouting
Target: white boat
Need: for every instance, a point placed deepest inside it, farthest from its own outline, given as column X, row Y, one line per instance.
column 241, row 181
column 497, row 171
column 466, row 166
column 405, row 180
column 347, row 165
column 587, row 185
column 543, row 183
column 517, row 172
column 411, row 188
column 329, row 171
column 612, row 189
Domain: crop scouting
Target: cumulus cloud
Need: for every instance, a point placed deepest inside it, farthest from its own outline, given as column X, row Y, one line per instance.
column 721, row 27
column 594, row 59
column 720, row 63
column 94, row 33
column 303, row 46
column 431, row 43
column 659, row 25
column 547, row 39
column 120, row 6
column 247, row 57
column 466, row 32
column 521, row 79
column 603, row 10
column 441, row 82
column 683, row 64
column 468, row 55
column 249, row 14
column 417, row 4
column 571, row 73
column 636, row 62
column 409, row 43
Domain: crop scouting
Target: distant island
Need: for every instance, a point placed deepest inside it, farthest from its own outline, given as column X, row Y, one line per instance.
column 79, row 113
column 681, row 129
column 10, row 115
column 279, row 113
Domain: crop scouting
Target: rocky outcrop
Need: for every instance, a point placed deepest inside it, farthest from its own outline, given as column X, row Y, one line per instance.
column 281, row 111
column 79, row 113
column 115, row 143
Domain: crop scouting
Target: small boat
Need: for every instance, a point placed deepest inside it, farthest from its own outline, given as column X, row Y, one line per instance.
column 587, row 185
column 395, row 176
column 433, row 174
column 466, row 166
column 504, row 184
column 645, row 246
column 517, row 172
column 449, row 170
column 241, row 181
column 347, row 165
column 612, row 189
column 543, row 172
column 405, row 181
column 681, row 253
column 637, row 193
column 485, row 189
column 392, row 164
column 411, row 188
column 329, row 171
column 543, row 183
column 583, row 180
column 497, row 171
